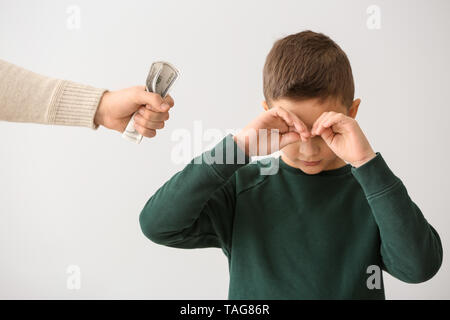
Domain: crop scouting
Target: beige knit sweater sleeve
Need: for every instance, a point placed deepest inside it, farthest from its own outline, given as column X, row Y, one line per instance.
column 29, row 97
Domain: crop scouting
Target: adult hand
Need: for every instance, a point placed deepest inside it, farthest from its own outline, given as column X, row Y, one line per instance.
column 116, row 108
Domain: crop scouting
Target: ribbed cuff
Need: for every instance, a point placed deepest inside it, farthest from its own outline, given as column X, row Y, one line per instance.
column 226, row 157
column 74, row 105
column 375, row 176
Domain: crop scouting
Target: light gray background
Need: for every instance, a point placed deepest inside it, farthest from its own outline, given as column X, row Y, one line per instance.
column 72, row 196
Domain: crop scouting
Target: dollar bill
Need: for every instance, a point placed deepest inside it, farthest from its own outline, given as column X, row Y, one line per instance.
column 160, row 79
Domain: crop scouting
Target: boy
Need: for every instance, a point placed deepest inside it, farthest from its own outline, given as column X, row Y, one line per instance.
column 319, row 228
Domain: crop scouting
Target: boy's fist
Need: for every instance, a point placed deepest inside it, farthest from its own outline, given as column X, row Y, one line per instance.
column 270, row 132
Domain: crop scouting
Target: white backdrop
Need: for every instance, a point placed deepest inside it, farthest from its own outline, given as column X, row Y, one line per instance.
column 71, row 196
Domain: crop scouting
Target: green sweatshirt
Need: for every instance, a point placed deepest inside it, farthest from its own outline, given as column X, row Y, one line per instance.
column 291, row 235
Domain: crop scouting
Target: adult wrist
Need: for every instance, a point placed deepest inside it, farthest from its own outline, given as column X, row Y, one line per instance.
column 101, row 112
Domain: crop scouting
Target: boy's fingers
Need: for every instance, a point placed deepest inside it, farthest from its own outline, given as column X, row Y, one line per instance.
column 319, row 128
column 293, row 121
column 302, row 130
column 328, row 120
column 330, row 117
column 284, row 115
column 333, row 119
column 317, row 123
column 288, row 138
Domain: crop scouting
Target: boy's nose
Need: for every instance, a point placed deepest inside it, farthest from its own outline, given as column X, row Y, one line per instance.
column 308, row 147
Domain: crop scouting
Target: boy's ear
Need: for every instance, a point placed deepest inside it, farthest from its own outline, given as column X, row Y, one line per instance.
column 354, row 108
column 265, row 106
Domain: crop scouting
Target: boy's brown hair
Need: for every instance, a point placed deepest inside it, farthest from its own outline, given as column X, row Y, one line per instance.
column 308, row 65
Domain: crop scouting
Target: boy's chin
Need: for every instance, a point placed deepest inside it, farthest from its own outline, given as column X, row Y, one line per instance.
column 299, row 164
column 312, row 169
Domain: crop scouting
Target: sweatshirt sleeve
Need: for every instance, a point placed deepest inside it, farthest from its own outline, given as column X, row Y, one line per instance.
column 411, row 248
column 195, row 208
column 26, row 96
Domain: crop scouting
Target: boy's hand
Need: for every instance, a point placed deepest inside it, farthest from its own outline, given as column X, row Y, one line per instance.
column 116, row 108
column 290, row 129
column 344, row 136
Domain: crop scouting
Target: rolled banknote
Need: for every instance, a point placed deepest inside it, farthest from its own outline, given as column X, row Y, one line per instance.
column 161, row 77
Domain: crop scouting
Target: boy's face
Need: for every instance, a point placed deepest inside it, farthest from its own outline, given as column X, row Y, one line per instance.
column 315, row 149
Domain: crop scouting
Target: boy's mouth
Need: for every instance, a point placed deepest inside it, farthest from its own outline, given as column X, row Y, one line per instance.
column 310, row 163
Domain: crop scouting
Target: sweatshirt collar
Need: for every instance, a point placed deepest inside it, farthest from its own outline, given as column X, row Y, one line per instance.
column 333, row 172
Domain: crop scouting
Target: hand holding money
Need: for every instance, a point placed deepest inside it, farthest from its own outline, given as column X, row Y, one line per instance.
column 160, row 79
column 116, row 108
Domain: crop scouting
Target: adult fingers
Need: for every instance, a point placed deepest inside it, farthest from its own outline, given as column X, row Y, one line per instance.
column 153, row 100
column 169, row 100
column 153, row 115
column 149, row 133
column 148, row 124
